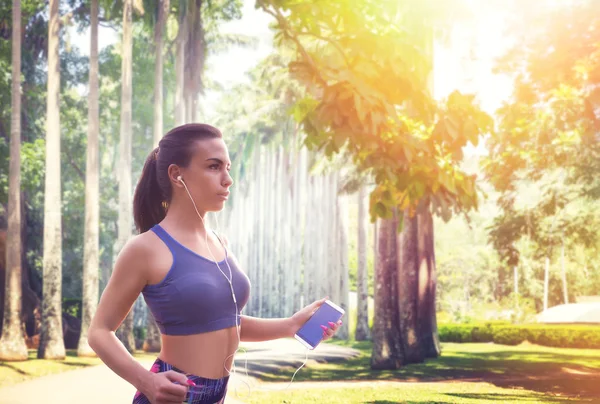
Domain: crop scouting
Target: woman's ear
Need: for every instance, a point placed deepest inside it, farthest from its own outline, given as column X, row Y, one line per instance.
column 175, row 175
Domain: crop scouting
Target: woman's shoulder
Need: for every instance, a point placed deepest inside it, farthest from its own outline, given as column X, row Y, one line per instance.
column 140, row 248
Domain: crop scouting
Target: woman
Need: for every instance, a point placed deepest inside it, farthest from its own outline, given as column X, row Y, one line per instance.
column 189, row 279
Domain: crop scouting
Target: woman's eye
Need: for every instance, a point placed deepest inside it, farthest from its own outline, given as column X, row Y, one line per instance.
column 214, row 167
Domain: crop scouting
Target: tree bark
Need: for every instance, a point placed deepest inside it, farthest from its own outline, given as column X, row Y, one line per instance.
column 180, row 70
column 194, row 60
column 546, row 281
column 343, row 279
column 563, row 271
column 362, row 314
column 125, row 332
column 163, row 10
column 388, row 352
column 427, row 280
column 91, row 258
column 12, row 342
column 152, row 342
column 408, row 290
column 51, row 339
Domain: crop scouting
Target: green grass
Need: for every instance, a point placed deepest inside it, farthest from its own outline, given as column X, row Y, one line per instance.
column 464, row 373
column 404, row 393
column 17, row 372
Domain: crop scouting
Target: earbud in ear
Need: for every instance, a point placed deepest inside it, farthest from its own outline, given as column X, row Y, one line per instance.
column 179, row 178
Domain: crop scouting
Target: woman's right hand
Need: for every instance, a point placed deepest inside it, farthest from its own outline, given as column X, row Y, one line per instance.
column 168, row 387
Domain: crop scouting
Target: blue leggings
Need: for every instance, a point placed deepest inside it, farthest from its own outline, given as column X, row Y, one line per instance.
column 206, row 391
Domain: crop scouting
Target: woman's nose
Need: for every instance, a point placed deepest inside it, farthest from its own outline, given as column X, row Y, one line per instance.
column 228, row 181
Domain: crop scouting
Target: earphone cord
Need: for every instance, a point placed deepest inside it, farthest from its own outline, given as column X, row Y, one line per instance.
column 238, row 316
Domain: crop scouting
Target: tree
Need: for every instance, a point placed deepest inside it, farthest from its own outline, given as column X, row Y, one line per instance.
column 197, row 29
column 12, row 343
column 162, row 14
column 362, row 314
column 91, row 254
column 51, row 339
column 366, row 71
column 125, row 332
column 547, row 138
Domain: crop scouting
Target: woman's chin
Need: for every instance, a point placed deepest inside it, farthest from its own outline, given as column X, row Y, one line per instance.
column 219, row 206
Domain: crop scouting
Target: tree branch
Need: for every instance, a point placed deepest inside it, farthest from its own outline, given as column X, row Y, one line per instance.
column 335, row 44
column 285, row 28
column 76, row 167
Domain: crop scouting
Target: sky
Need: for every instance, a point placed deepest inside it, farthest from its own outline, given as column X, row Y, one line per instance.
column 464, row 63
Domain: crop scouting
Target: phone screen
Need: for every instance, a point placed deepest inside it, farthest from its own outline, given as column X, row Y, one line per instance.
column 311, row 331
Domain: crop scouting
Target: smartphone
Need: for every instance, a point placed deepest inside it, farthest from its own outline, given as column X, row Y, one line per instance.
column 311, row 333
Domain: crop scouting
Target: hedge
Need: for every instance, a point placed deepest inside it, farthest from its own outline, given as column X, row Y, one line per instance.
column 560, row 336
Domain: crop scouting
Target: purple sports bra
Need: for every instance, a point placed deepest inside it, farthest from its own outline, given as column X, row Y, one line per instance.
column 194, row 297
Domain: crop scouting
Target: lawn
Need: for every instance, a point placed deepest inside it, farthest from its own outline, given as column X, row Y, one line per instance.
column 465, row 373
column 16, row 372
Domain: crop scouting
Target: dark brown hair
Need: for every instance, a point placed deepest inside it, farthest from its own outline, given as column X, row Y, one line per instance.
column 153, row 190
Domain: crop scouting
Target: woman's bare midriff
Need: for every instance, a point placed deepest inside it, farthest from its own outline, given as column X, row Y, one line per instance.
column 205, row 355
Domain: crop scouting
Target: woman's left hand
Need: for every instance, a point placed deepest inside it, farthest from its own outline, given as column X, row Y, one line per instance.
column 302, row 316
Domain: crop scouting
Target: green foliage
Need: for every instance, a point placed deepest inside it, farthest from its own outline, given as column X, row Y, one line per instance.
column 547, row 135
column 366, row 67
column 560, row 336
column 508, row 335
column 72, row 307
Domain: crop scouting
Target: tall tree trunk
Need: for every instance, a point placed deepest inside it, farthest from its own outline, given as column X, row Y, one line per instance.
column 12, row 343
column 516, row 287
column 152, row 342
column 331, row 240
column 546, row 281
column 125, row 332
column 427, row 281
column 362, row 314
column 563, row 271
column 51, row 340
column 387, row 340
column 408, row 290
column 163, row 10
column 91, row 257
column 343, row 276
column 194, row 60
column 261, row 225
column 180, row 70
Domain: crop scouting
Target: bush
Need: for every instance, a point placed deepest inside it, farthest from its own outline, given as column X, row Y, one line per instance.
column 482, row 333
column 455, row 333
column 560, row 336
column 506, row 335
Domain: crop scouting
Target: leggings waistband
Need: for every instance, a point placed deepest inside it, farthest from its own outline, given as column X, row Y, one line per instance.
column 206, row 391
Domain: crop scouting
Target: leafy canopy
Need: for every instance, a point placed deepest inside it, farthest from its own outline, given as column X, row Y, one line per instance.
column 367, row 67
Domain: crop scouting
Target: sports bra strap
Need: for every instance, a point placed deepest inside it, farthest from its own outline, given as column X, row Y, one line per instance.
column 165, row 237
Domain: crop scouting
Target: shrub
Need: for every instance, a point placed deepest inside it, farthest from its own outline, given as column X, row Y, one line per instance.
column 560, row 336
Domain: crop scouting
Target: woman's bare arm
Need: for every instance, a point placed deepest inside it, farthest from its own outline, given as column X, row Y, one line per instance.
column 264, row 329
column 255, row 329
column 125, row 284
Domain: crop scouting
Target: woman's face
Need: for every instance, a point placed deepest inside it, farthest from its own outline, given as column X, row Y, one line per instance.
column 207, row 175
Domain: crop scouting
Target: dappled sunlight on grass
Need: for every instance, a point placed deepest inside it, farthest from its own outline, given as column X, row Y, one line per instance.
column 442, row 393
column 555, row 371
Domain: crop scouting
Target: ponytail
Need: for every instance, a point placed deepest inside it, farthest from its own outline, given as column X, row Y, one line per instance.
column 148, row 207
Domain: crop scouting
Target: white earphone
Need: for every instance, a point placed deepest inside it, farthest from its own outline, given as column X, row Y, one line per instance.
column 238, row 316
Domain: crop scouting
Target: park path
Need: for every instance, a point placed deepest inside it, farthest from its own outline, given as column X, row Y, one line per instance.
column 98, row 384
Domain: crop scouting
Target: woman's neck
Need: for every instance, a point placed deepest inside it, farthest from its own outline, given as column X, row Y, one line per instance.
column 183, row 216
